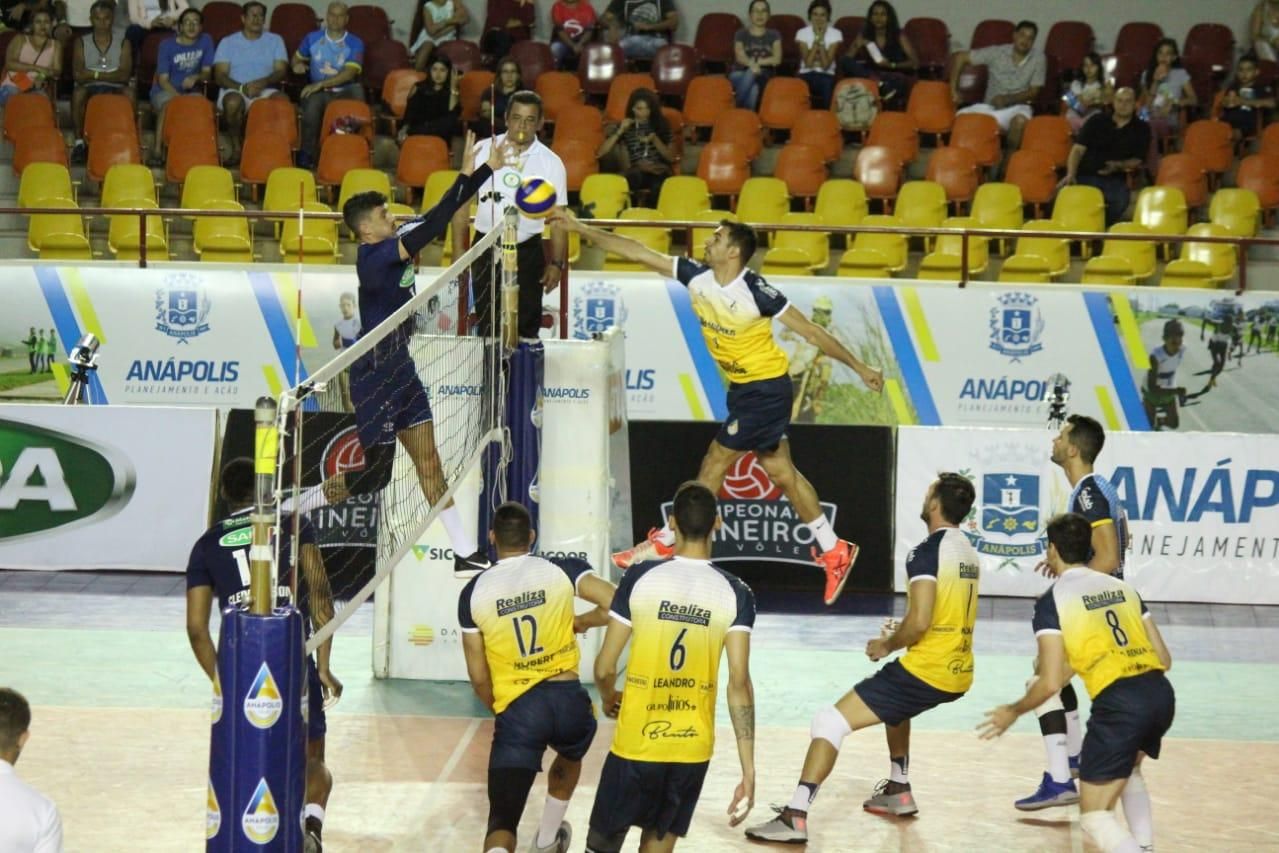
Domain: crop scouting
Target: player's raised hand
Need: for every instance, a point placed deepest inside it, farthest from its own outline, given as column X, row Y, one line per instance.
column 468, row 153
column 743, row 802
column 501, row 154
column 997, row 722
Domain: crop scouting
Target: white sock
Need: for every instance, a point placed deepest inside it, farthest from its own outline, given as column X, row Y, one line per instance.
column 1074, row 734
column 310, row 499
column 1103, row 828
column 666, row 536
column 803, row 797
column 314, row 810
column 1058, row 757
column 552, row 815
column 823, row 533
column 899, row 772
column 452, row 521
column 1137, row 811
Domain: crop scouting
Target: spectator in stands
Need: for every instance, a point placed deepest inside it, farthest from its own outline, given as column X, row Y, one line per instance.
column 1165, row 90
column 185, row 63
column 1108, row 147
column 758, row 50
column 248, row 65
column 1246, row 98
column 641, row 27
column 645, row 153
column 437, row 21
column 28, row 819
column 33, row 61
column 434, row 105
column 507, row 22
column 102, row 64
column 17, row 14
column 145, row 15
column 509, row 81
column 819, row 44
column 1015, row 74
column 882, row 52
column 1088, row 93
column 332, row 58
column 1263, row 30
column 572, row 26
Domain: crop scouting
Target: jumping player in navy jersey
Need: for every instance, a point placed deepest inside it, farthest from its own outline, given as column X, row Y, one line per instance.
column 1092, row 496
column 219, row 565
column 390, row 401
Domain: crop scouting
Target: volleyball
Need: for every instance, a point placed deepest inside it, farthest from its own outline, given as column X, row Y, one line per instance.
column 535, row 198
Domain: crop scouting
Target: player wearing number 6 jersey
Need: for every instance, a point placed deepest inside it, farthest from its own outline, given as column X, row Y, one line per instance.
column 522, row 657
column 937, row 633
column 1099, row 627
column 678, row 616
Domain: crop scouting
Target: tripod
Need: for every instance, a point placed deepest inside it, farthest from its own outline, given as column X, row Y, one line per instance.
column 84, row 363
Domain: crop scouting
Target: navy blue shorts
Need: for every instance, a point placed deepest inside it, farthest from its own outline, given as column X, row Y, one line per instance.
column 758, row 414
column 1130, row 715
column 896, row 696
column 316, row 725
column 558, row 714
column 388, row 397
column 649, row 794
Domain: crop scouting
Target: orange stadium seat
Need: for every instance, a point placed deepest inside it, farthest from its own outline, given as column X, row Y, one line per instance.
column 395, row 93
column 275, row 115
column 742, row 128
column 39, row 145
column 801, row 167
column 956, row 170
column 1033, row 173
column 1049, row 135
column 347, row 108
column 109, row 114
column 931, row 106
column 819, row 129
column 898, row 132
column 724, row 168
column 579, row 160
column 1259, row 173
column 1209, row 141
column 978, row 133
column 471, row 89
column 189, row 113
column 580, row 121
column 189, row 149
column 783, row 100
column 558, row 90
column 108, row 149
column 1185, row 172
column 27, row 110
column 706, row 98
column 263, row 154
column 619, row 93
column 879, row 169
column 340, row 153
column 420, row 156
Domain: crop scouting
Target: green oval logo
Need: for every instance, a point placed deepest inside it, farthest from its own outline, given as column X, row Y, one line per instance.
column 238, row 538
column 49, row 479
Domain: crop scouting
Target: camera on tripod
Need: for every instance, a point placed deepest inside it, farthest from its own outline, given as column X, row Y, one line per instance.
column 1058, row 397
column 83, row 361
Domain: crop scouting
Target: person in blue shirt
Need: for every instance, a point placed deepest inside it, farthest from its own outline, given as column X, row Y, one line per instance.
column 219, row 566
column 248, row 66
column 184, row 64
column 332, row 60
column 391, row 403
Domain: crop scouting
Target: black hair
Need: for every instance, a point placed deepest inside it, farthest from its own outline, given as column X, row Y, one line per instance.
column 751, row 5
column 1021, row 25
column 439, row 59
column 15, row 718
column 524, row 96
column 1173, row 328
column 1071, row 533
column 1148, row 76
column 244, row 10
column 190, row 10
column 237, row 481
column 956, row 495
column 819, row 4
column 102, row 4
column 1087, row 436
column 893, row 29
column 359, row 206
column 660, row 125
column 512, row 525
column 1250, row 56
column 695, row 510
column 742, row 236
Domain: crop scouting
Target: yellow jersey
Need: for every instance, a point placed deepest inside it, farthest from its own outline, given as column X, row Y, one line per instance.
column 679, row 612
column 523, row 607
column 1101, row 620
column 943, row 657
column 736, row 320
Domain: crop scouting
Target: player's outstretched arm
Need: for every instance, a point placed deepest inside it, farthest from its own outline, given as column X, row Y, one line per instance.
column 1050, row 675
column 632, row 250
column 795, row 320
column 199, row 600
column 606, row 666
column 477, row 667
column 741, row 710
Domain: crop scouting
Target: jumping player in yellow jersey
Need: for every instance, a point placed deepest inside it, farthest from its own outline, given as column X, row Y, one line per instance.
column 937, row 633
column 1097, row 625
column 677, row 615
column 522, row 657
column 736, row 308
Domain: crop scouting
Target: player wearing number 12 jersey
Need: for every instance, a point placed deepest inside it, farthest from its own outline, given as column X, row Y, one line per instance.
column 522, row 657
column 1097, row 625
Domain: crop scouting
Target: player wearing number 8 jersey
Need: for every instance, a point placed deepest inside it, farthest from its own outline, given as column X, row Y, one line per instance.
column 1099, row 627
column 937, row 633
column 522, row 657
column 678, row 616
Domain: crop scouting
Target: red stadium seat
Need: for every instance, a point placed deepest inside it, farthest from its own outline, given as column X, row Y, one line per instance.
column 788, row 26
column 371, row 24
column 714, row 39
column 674, row 67
column 465, row 55
column 931, row 41
column 991, row 31
column 292, row 22
column 1210, row 45
column 599, row 64
column 1068, row 41
column 534, row 58
column 221, row 18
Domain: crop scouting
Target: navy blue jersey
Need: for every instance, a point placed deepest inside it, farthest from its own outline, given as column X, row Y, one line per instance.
column 220, row 559
column 1096, row 500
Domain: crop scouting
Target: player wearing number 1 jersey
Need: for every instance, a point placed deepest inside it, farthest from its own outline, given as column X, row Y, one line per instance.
column 522, row 657
column 1097, row 626
column 937, row 633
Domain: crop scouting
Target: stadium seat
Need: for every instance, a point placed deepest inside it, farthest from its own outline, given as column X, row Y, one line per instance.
column 207, row 187
column 714, row 39
column 1186, row 173
column 274, row 115
column 1049, row 135
column 850, row 27
column 803, row 170
column 39, row 145
column 971, row 86
column 931, row 106
column 872, row 89
column 947, row 255
column 1184, row 273
column 534, row 59
column 1259, row 173
column 1220, row 258
column 364, row 180
column 58, row 237
column 956, row 170
column 221, row 18
column 763, row 200
column 472, row 86
column 979, row 134
column 292, row 22
column 619, row 93
column 604, row 196
column 390, row 55
column 125, row 184
column 189, row 113
column 370, row 23
column 657, row 239
column 879, row 170
column 580, row 122
column 1080, row 208
column 991, row 31
column 898, row 132
column 674, row 66
column 341, row 153
column 1209, row 142
column 864, row 263
column 1140, row 254
column 558, row 89
column 349, row 109
column 1210, row 45
column 841, row 203
column 998, row 205
column 395, row 93
column 318, row 241
column 187, row 150
column 724, row 168
column 436, row 186
column 1162, row 210
column 742, row 128
column 1068, row 41
column 783, row 100
column 931, row 41
column 262, row 155
column 1269, row 142
column 893, row 247
column 49, row 185
column 598, row 65
column 107, row 114
column 1034, row 175
column 1025, row 269
column 706, row 98
column 419, row 157
column 465, row 55
column 124, row 235
column 683, row 196
column 1236, row 210
column 146, row 59
column 921, row 204
column 1108, row 269
column 286, row 189
column 820, row 130
column 1137, row 39
column 579, row 160
column 224, row 239
column 1054, row 250
column 27, row 111
column 108, row 149
column 812, row 246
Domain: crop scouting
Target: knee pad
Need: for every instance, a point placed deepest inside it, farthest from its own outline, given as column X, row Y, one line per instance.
column 1104, row 830
column 830, row 725
column 508, row 792
column 1069, row 701
column 1051, row 704
column 376, row 472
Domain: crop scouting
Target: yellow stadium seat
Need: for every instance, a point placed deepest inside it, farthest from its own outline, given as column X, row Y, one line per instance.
column 1080, row 208
column 841, row 203
column 1108, row 269
column 682, row 196
column 952, row 244
column 657, row 239
column 1140, row 253
column 47, row 185
column 892, row 246
column 865, row 263
column 921, row 204
column 286, row 188
column 1026, row 269
column 1055, row 250
column 786, row 262
column 127, row 183
column 1183, row 273
column 1220, row 258
column 604, row 196
column 1236, row 210
column 319, row 243
column 223, row 239
column 363, row 180
column 763, row 201
column 812, row 245
column 207, row 187
column 124, row 235
column 1162, row 210
column 997, row 205
column 58, row 237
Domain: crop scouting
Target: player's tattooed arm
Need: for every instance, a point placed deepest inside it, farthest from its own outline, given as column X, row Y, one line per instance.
column 741, row 710
column 743, row 717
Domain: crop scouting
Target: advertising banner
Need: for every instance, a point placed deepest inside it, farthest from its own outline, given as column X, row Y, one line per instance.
column 88, row 487
column 1202, row 511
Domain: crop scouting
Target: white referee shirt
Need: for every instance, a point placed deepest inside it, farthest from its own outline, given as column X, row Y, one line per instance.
column 29, row 821
column 498, row 192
